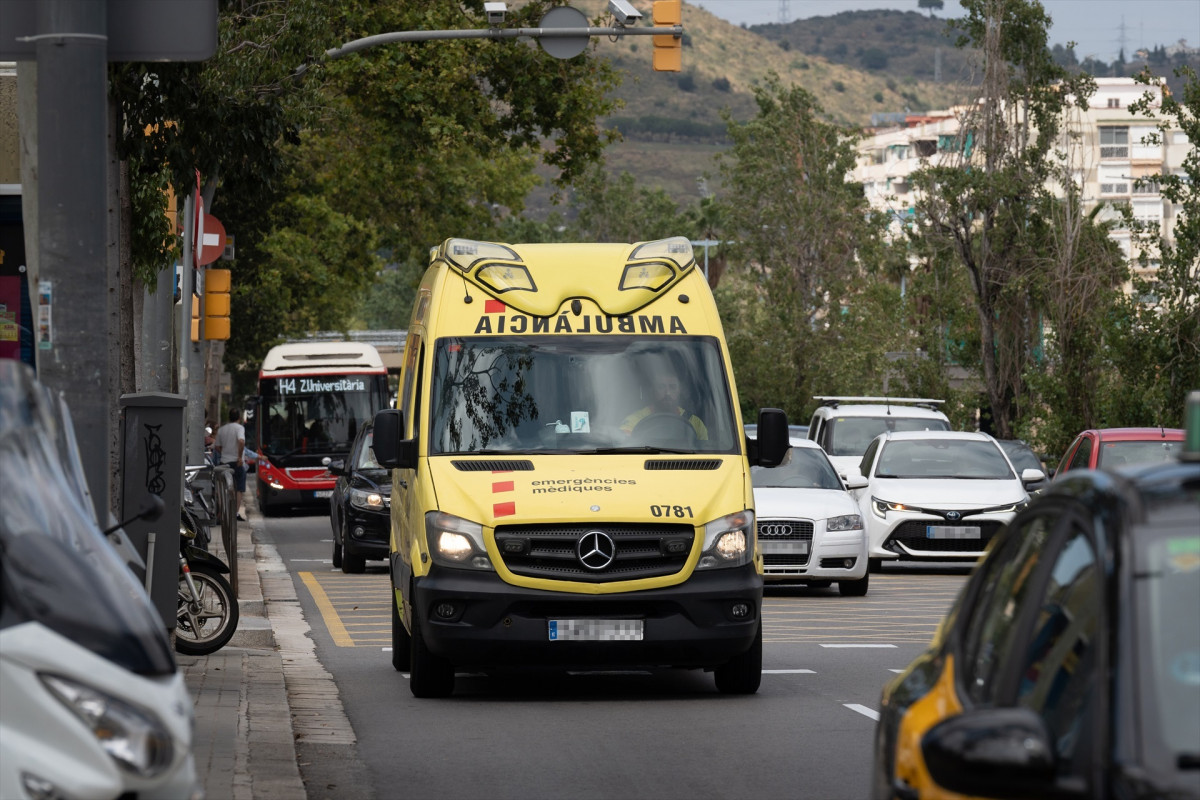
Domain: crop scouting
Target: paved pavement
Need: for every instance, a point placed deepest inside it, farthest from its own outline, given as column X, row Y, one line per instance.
column 249, row 721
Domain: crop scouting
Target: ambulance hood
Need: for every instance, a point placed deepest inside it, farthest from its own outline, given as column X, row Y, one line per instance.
column 539, row 489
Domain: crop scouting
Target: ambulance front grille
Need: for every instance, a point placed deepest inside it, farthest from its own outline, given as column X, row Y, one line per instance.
column 553, row 551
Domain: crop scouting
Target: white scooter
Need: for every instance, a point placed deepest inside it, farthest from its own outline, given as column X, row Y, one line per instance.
column 91, row 702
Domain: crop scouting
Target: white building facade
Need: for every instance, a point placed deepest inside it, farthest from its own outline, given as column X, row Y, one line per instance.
column 1110, row 149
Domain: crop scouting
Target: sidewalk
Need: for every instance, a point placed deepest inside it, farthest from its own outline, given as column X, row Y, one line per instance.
column 245, row 742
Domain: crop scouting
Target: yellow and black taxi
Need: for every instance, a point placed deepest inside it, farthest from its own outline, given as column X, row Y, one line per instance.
column 1069, row 667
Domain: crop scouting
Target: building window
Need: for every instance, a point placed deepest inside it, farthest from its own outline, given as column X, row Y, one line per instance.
column 1114, row 142
column 1114, row 102
column 1145, row 188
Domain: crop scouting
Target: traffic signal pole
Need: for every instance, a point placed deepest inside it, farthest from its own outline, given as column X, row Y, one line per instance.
column 498, row 33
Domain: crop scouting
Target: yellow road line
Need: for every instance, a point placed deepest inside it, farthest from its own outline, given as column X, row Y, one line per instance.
column 333, row 622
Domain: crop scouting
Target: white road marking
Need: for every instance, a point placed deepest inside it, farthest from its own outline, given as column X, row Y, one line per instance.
column 858, row 645
column 897, row 671
column 788, row 672
column 314, row 560
column 866, row 712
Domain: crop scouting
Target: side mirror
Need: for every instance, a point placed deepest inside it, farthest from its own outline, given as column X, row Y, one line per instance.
column 1031, row 475
column 854, row 480
column 392, row 451
column 773, row 440
column 336, row 467
column 991, row 752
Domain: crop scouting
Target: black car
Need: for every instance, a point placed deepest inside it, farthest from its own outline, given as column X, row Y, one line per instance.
column 360, row 507
column 1023, row 457
column 1069, row 667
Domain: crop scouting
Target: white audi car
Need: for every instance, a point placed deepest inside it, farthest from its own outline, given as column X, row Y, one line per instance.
column 938, row 495
column 809, row 526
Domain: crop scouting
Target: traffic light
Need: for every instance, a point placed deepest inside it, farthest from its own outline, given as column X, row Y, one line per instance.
column 668, row 50
column 217, row 283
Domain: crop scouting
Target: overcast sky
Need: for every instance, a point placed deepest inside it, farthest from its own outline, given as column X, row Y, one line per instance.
column 1094, row 25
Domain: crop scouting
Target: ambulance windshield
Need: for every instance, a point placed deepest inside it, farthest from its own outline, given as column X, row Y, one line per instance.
column 581, row 394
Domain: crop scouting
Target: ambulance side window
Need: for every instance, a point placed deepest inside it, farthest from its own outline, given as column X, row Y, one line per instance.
column 410, row 393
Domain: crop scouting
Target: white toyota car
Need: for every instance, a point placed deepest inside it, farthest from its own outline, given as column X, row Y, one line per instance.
column 937, row 495
column 809, row 526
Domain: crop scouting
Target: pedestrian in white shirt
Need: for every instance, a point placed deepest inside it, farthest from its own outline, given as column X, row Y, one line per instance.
column 231, row 443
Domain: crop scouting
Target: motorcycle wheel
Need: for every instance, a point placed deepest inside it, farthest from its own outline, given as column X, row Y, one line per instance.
column 207, row 628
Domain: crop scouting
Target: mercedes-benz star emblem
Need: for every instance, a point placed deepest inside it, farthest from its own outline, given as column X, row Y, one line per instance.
column 953, row 516
column 596, row 550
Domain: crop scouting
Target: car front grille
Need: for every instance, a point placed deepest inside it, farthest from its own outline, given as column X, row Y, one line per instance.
column 551, row 551
column 779, row 540
column 912, row 535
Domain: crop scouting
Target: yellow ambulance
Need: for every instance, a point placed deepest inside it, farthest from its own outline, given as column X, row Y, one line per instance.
column 570, row 474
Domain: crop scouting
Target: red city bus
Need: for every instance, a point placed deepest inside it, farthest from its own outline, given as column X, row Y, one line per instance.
column 312, row 399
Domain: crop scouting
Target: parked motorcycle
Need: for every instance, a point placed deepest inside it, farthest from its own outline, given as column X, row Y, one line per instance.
column 207, row 612
column 91, row 702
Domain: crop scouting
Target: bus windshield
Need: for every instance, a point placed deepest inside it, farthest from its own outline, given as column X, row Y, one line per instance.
column 581, row 394
column 317, row 415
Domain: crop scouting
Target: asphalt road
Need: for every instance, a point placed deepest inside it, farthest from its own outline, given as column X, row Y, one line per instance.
column 806, row 734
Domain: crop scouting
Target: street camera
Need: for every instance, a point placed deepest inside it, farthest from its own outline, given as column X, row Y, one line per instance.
column 495, row 13
column 624, row 12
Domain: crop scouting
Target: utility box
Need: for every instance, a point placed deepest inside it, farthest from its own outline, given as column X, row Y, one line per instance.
column 152, row 461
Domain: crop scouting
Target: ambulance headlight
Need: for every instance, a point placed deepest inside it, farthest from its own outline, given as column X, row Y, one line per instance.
column 677, row 250
column 466, row 253
column 456, row 542
column 646, row 276
column 728, row 541
column 505, row 278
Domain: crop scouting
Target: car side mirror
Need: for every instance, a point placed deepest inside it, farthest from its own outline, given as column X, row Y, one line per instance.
column 772, row 440
column 991, row 752
column 1031, row 475
column 392, row 451
column 854, row 480
column 336, row 467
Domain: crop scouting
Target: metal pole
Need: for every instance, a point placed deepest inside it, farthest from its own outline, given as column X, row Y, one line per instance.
column 72, row 52
column 497, row 33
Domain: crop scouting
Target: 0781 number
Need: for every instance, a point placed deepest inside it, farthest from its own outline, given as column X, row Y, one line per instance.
column 671, row 511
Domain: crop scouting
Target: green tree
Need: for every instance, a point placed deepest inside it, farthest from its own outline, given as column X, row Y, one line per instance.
column 799, row 236
column 932, row 5
column 1156, row 339
column 394, row 148
column 982, row 205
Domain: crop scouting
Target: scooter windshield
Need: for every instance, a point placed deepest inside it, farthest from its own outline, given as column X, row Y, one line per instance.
column 56, row 567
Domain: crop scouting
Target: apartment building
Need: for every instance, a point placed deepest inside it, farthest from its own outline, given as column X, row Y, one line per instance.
column 1109, row 150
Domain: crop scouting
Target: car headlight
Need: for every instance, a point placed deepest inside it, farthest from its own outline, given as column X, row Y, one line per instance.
column 371, row 501
column 1017, row 506
column 849, row 522
column 133, row 737
column 728, row 541
column 456, row 542
column 881, row 507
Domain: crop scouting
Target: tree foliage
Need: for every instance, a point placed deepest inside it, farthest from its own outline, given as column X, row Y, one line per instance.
column 1155, row 342
column 317, row 165
column 980, row 201
column 799, row 237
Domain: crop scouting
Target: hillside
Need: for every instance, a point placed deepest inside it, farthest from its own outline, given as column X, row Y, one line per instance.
column 907, row 44
column 671, row 121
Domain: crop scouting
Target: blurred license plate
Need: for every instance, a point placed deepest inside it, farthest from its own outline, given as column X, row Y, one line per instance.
column 784, row 548
column 595, row 630
column 323, row 493
column 952, row 532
